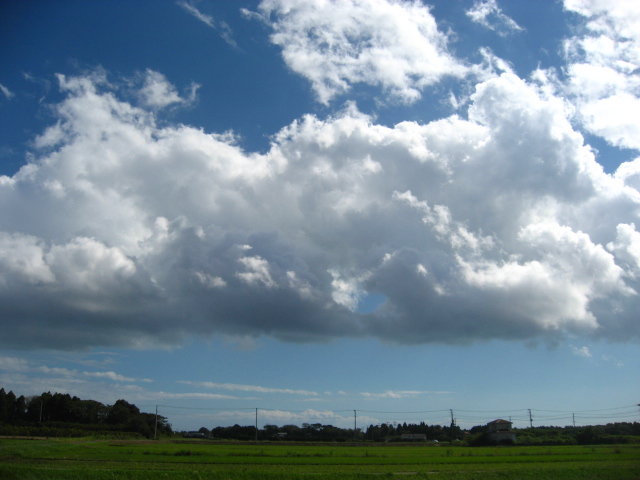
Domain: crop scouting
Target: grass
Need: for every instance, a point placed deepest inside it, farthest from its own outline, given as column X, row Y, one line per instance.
column 66, row 459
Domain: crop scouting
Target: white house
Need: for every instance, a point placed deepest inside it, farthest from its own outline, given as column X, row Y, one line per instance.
column 500, row 431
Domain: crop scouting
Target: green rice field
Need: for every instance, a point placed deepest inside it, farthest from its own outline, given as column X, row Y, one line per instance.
column 65, row 459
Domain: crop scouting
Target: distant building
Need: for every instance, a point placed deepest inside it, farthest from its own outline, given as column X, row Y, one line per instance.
column 193, row 435
column 413, row 437
column 500, row 431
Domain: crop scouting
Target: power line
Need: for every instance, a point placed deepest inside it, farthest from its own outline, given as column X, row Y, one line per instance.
column 583, row 411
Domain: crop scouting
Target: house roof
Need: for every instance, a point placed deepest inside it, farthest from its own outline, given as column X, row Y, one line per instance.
column 500, row 420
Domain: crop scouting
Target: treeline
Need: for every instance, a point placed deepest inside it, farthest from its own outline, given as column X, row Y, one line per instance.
column 308, row 432
column 394, row 432
column 612, row 433
column 63, row 415
column 316, row 432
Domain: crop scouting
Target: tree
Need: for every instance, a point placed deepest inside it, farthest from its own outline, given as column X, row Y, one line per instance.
column 271, row 431
column 21, row 408
column 121, row 412
column 4, row 407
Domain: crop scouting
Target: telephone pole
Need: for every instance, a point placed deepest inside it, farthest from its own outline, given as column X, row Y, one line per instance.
column 453, row 426
column 256, row 425
column 155, row 427
column 530, row 420
column 355, row 432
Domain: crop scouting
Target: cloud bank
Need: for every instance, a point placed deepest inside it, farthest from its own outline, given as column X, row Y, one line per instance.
column 125, row 229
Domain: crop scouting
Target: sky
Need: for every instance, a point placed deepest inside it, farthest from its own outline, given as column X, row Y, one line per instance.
column 393, row 210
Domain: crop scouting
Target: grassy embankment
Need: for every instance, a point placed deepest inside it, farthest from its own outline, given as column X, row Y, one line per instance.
column 64, row 459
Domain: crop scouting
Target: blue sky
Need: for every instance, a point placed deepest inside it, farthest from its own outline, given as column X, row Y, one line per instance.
column 310, row 208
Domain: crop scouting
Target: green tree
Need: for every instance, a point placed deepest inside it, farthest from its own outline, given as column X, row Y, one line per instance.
column 4, row 407
column 121, row 412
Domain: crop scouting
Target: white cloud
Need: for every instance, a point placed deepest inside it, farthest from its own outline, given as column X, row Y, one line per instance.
column 187, row 396
column 393, row 394
column 602, row 72
column 346, row 291
column 22, row 259
column 157, row 92
column 488, row 14
column 626, row 247
column 6, row 92
column 393, row 44
column 12, row 364
column 612, row 359
column 35, row 372
column 568, row 273
column 257, row 271
column 491, row 225
column 116, row 377
column 204, row 18
column 210, row 281
column 248, row 388
column 581, row 352
column 222, row 27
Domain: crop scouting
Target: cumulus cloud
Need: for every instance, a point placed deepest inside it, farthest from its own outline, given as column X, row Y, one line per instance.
column 125, row 229
column 604, row 58
column 627, row 248
column 394, row 44
column 488, row 14
column 157, row 92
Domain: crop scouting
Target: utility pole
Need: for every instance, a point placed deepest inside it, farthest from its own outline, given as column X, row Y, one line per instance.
column 453, row 426
column 355, row 432
column 256, row 425
column 574, row 420
column 530, row 420
column 155, row 427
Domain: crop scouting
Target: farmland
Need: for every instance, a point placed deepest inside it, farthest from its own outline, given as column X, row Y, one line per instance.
column 66, row 459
